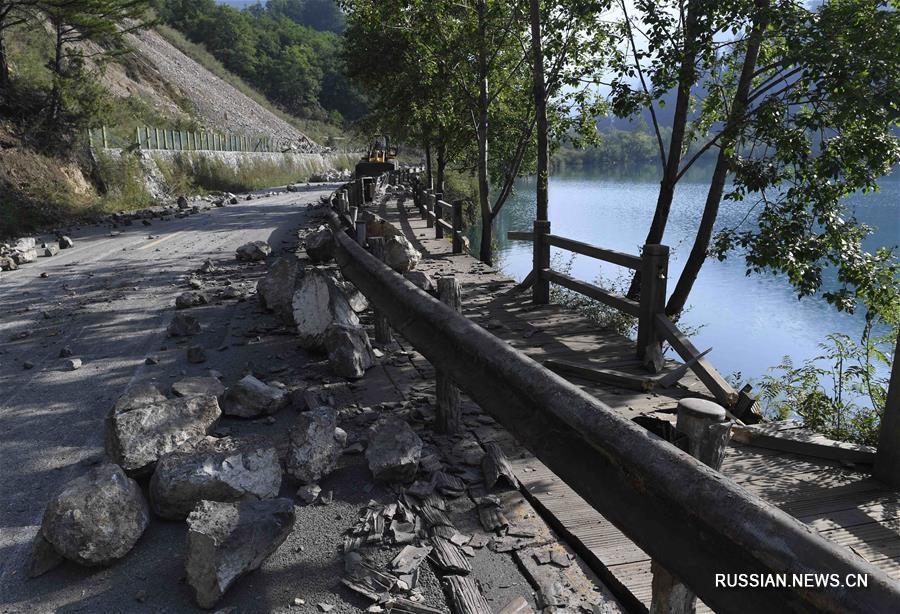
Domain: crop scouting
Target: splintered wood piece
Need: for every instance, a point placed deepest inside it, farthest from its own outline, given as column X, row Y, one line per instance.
column 517, row 606
column 434, row 517
column 492, row 518
column 448, row 558
column 495, row 465
column 405, row 606
column 409, row 559
column 465, row 596
column 602, row 376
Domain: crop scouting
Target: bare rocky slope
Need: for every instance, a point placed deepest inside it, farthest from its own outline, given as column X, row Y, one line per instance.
column 169, row 80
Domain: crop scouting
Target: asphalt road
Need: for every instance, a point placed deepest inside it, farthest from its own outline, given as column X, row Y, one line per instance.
column 110, row 299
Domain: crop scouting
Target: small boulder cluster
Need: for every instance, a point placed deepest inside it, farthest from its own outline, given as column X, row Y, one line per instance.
column 27, row 249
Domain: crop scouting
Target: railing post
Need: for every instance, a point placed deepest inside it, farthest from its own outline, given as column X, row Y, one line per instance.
column 703, row 432
column 887, row 459
column 383, row 334
column 103, row 135
column 457, row 227
column 654, row 273
column 429, row 209
column 541, row 289
column 438, row 215
column 449, row 415
column 361, row 228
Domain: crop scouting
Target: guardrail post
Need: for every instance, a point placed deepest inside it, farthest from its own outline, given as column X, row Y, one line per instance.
column 541, row 289
column 887, row 459
column 429, row 209
column 103, row 136
column 703, row 432
column 449, row 415
column 654, row 273
column 457, row 227
column 361, row 228
column 438, row 215
column 383, row 334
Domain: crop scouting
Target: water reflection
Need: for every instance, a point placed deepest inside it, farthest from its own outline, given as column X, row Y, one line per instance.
column 749, row 321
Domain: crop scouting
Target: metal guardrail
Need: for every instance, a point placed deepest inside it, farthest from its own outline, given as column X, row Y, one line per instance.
column 690, row 519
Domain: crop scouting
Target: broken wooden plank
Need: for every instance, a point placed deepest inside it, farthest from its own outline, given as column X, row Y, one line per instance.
column 803, row 442
column 495, row 465
column 672, row 377
column 465, row 596
column 517, row 606
column 603, row 376
column 448, row 558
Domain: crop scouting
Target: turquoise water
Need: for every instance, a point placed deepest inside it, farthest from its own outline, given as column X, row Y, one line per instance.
column 751, row 322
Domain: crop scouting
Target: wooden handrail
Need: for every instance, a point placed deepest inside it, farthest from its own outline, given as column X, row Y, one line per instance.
column 689, row 518
column 597, row 293
column 585, row 249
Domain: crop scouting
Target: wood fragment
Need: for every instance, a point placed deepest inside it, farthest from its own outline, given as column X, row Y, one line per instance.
column 465, row 596
column 448, row 558
column 495, row 466
column 517, row 606
column 409, row 559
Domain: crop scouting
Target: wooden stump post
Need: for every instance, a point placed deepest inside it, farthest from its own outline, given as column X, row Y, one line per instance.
column 457, row 227
column 429, row 209
column 541, row 288
column 383, row 334
column 654, row 273
column 704, row 432
column 361, row 232
column 887, row 459
column 449, row 415
column 438, row 215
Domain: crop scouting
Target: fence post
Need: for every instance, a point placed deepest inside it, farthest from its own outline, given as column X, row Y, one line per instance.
column 383, row 334
column 438, row 215
column 703, row 432
column 361, row 228
column 429, row 208
column 540, row 291
column 457, row 227
column 103, row 135
column 887, row 459
column 449, row 415
column 654, row 273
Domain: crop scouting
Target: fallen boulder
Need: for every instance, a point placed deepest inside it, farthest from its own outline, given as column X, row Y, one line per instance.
column 213, row 469
column 141, row 430
column 198, row 386
column 276, row 289
column 66, row 242
column 357, row 300
column 394, row 451
column 228, row 540
column 422, row 281
column 254, row 251
column 187, row 300
column 50, row 250
column 182, row 202
column 95, row 521
column 183, row 325
column 349, row 351
column 400, row 255
column 316, row 445
column 250, row 398
column 317, row 304
column 320, row 245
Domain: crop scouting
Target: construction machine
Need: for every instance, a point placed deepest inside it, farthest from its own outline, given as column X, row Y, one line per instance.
column 379, row 159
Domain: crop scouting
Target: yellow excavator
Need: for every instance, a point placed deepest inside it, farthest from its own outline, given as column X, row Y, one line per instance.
column 379, row 159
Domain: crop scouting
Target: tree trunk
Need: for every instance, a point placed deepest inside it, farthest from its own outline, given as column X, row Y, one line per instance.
column 56, row 93
column 4, row 67
column 540, row 101
column 717, row 184
column 686, row 78
column 441, row 167
column 484, row 187
column 428, row 175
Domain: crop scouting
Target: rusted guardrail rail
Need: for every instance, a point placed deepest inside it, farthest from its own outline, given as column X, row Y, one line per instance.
column 690, row 519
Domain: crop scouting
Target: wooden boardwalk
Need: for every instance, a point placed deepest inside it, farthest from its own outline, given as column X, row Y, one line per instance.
column 835, row 498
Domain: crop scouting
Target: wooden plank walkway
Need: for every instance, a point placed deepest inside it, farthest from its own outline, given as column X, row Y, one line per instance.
column 844, row 504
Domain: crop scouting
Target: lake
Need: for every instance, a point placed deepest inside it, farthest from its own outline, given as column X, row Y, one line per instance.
column 751, row 322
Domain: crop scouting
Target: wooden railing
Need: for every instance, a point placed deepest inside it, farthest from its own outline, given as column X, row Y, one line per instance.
column 446, row 218
column 691, row 520
column 653, row 326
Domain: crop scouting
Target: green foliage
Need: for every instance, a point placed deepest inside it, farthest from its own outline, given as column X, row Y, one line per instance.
column 124, row 181
column 606, row 317
column 827, row 391
column 296, row 66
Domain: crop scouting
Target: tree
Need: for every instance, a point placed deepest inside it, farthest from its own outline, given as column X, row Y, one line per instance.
column 12, row 13
column 74, row 21
column 799, row 104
